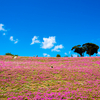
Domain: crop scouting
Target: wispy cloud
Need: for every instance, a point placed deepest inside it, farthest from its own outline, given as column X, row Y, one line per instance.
column 15, row 41
column 45, row 54
column 4, row 34
column 57, row 47
column 34, row 40
column 65, row 53
column 1, row 27
column 48, row 42
column 69, row 52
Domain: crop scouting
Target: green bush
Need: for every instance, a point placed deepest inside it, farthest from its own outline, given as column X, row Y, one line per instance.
column 16, row 55
column 9, row 54
column 77, row 55
column 58, row 55
column 71, row 55
column 65, row 56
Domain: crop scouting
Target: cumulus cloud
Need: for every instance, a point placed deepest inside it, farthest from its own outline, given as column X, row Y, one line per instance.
column 4, row 34
column 15, row 41
column 45, row 54
column 57, row 47
column 34, row 40
column 1, row 28
column 48, row 42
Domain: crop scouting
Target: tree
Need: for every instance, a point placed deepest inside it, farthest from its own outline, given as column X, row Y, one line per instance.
column 71, row 55
column 9, row 54
column 16, row 55
column 90, row 48
column 77, row 55
column 79, row 50
column 58, row 55
column 66, row 56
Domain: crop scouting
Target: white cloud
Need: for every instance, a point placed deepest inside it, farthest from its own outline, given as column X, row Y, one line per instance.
column 1, row 28
column 4, row 34
column 98, row 53
column 65, row 53
column 15, row 41
column 34, row 40
column 69, row 52
column 11, row 38
column 57, row 47
column 45, row 54
column 48, row 42
column 74, row 55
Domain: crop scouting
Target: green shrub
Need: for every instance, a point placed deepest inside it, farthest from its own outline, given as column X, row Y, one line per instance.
column 65, row 56
column 16, row 55
column 58, row 55
column 9, row 54
column 71, row 55
column 77, row 55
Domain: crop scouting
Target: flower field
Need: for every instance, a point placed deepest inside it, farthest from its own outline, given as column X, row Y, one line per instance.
column 33, row 78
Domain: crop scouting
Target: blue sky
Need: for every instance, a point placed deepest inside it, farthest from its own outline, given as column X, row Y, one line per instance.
column 48, row 27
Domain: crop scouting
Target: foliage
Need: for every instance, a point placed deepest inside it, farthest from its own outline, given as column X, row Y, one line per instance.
column 65, row 56
column 71, row 55
column 58, row 55
column 79, row 49
column 16, row 55
column 9, row 54
column 77, row 55
column 90, row 48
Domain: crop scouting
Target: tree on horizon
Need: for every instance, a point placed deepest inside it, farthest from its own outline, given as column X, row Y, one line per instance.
column 79, row 50
column 90, row 49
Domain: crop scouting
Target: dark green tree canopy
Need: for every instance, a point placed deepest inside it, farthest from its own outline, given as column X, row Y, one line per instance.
column 9, row 54
column 90, row 48
column 79, row 49
column 58, row 55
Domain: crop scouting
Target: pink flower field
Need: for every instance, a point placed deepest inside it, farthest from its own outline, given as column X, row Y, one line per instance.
column 32, row 78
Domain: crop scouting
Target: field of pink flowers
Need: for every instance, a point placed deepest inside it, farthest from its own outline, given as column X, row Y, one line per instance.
column 32, row 78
